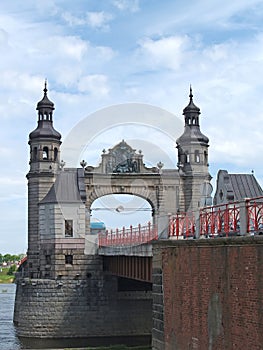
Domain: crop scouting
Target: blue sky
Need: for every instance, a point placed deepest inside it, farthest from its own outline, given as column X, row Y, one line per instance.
column 101, row 53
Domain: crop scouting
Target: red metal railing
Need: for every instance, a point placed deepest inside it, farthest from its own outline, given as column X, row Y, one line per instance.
column 220, row 220
column 254, row 209
column 182, row 225
column 129, row 236
column 24, row 259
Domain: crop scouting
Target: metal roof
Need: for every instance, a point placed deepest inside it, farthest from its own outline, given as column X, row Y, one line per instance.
column 245, row 186
column 65, row 188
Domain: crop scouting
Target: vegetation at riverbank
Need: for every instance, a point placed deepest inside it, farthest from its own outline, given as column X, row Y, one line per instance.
column 8, row 267
column 10, row 258
column 7, row 274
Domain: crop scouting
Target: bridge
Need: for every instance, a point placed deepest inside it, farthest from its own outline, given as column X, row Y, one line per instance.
column 128, row 251
column 180, row 280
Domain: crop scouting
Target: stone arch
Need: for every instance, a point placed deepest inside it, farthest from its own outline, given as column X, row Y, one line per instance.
column 148, row 199
column 147, row 193
column 122, row 210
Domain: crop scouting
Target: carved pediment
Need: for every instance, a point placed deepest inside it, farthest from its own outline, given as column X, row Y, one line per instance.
column 121, row 159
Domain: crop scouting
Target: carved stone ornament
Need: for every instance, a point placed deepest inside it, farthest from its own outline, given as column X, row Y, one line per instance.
column 122, row 159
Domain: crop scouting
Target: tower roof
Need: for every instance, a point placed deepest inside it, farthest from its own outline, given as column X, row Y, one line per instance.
column 45, row 127
column 192, row 131
column 45, row 105
column 191, row 107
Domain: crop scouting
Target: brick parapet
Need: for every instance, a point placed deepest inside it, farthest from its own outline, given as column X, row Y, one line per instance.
column 212, row 294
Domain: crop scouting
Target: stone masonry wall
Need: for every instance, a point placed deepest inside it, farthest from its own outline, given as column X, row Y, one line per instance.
column 212, row 292
column 86, row 307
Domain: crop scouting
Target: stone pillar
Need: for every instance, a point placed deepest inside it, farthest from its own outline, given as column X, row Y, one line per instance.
column 243, row 215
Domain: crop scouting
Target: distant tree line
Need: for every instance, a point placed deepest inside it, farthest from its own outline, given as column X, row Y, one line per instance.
column 9, row 258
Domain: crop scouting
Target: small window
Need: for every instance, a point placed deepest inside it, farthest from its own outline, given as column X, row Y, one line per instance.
column 45, row 153
column 206, row 157
column 35, row 153
column 187, row 157
column 69, row 259
column 68, row 228
column 48, row 259
column 55, row 153
column 197, row 156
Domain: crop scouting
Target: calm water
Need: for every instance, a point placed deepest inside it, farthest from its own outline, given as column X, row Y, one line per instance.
column 9, row 341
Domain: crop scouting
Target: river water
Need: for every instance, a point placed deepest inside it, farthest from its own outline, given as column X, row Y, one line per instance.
column 9, row 340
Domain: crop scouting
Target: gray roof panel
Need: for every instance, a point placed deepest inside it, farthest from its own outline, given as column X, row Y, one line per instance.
column 65, row 188
column 245, row 186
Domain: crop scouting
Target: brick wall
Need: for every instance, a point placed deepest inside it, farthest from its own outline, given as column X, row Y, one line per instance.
column 212, row 294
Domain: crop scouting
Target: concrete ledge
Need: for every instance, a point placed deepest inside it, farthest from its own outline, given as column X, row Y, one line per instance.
column 136, row 250
column 238, row 240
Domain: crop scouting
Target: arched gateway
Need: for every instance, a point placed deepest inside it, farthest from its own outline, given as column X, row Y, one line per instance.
column 62, row 265
column 122, row 171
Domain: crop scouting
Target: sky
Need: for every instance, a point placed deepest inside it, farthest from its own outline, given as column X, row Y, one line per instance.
column 97, row 54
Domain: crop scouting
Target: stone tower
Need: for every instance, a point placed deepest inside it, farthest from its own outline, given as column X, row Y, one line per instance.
column 193, row 161
column 44, row 162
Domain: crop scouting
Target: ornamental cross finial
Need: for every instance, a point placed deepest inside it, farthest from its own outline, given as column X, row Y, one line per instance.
column 45, row 88
column 191, row 93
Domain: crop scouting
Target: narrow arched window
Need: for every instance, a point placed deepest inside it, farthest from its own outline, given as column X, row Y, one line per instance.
column 45, row 153
column 197, row 156
column 55, row 153
column 35, row 153
column 206, row 157
column 187, row 157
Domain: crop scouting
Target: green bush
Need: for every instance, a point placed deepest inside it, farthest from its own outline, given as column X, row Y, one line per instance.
column 11, row 270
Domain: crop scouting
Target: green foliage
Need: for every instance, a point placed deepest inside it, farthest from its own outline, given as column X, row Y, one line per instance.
column 4, row 277
column 11, row 270
column 9, row 258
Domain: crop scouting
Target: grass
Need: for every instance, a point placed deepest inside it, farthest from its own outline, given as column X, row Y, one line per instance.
column 4, row 277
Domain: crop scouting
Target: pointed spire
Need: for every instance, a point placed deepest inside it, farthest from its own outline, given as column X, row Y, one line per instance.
column 45, row 88
column 45, row 107
column 191, row 108
column 191, row 93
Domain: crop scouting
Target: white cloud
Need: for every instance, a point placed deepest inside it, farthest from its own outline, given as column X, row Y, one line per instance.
column 95, row 20
column 165, row 52
column 98, row 20
column 73, row 20
column 96, row 85
column 127, row 5
column 70, row 47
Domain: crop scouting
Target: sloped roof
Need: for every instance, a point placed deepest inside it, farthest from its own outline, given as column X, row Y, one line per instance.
column 245, row 186
column 65, row 188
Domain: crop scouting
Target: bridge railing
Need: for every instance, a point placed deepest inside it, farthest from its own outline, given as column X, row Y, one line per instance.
column 214, row 221
column 223, row 220
column 182, row 225
column 220, row 220
column 254, row 208
column 128, row 236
